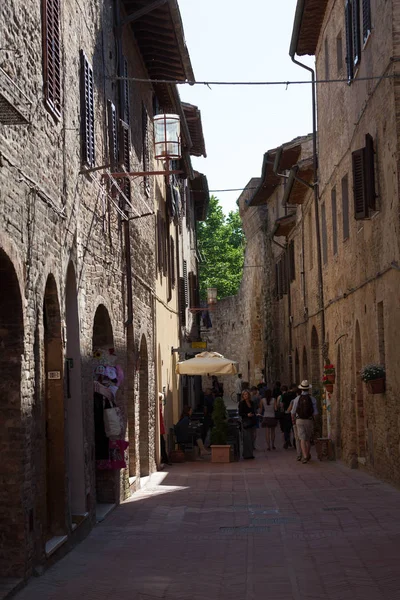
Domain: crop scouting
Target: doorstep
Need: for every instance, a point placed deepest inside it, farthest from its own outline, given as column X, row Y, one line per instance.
column 102, row 510
column 54, row 543
column 9, row 586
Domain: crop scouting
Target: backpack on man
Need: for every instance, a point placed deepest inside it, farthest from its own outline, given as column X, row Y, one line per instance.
column 305, row 407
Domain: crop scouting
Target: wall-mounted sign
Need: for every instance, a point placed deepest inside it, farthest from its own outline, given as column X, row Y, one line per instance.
column 202, row 345
column 54, row 375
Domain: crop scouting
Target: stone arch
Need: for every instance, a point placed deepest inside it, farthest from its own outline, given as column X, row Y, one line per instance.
column 144, row 408
column 73, row 375
column 315, row 358
column 54, row 413
column 106, row 480
column 360, row 408
column 297, row 367
column 304, row 364
column 12, row 548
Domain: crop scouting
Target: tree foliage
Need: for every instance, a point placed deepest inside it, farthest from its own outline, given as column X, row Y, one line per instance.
column 221, row 245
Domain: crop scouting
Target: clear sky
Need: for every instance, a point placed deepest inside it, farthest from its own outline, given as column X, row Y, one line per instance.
column 232, row 40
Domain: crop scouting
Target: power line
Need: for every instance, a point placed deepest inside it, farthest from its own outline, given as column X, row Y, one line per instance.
column 256, row 83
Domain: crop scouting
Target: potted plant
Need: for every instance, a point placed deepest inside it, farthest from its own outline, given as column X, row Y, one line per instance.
column 220, row 450
column 374, row 376
column 329, row 372
column 328, row 384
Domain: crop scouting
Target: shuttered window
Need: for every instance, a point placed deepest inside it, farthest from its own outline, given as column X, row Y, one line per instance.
column 277, row 290
column 124, row 108
column 182, row 302
column 356, row 32
column 345, row 207
column 192, row 300
column 169, row 267
column 334, row 221
column 349, row 39
column 292, row 268
column 146, row 149
column 364, row 179
column 112, row 134
column 185, row 279
column 172, row 252
column 284, row 272
column 124, row 155
column 52, row 55
column 366, row 19
column 159, row 241
column 324, row 235
column 87, row 112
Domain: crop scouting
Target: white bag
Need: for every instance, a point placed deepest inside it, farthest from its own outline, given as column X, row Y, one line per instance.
column 112, row 420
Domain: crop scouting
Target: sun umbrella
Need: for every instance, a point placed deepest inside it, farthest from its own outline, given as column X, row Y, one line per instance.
column 207, row 363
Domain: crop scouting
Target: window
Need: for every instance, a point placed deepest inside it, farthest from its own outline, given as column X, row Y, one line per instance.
column 310, row 239
column 182, row 302
column 339, row 53
column 356, row 32
column 292, row 270
column 52, row 55
column 324, row 236
column 87, row 112
column 364, row 179
column 334, row 221
column 326, row 47
column 124, row 108
column 381, row 333
column 112, row 134
column 345, row 207
column 146, row 149
column 349, row 39
column 124, row 155
column 159, row 242
column 366, row 20
column 172, row 250
column 185, row 280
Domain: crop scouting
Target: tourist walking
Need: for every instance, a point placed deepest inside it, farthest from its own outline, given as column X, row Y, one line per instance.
column 303, row 411
column 269, row 422
column 238, row 387
column 249, row 420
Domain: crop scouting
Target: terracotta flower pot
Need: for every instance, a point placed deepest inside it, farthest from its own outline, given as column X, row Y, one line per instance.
column 331, row 377
column 376, row 386
column 329, row 387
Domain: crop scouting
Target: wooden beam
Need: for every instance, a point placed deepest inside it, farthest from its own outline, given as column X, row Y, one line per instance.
column 143, row 11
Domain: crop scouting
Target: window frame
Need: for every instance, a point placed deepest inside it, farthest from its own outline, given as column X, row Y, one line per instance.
column 51, row 56
column 88, row 145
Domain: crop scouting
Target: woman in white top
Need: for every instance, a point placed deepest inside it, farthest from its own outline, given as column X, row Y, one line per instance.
column 268, row 406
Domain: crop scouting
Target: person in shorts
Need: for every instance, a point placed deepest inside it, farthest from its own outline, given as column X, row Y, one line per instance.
column 303, row 411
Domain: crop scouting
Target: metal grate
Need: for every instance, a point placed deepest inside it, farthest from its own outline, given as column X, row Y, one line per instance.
column 13, row 102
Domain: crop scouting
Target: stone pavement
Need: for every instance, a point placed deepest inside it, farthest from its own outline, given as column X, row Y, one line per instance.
column 271, row 528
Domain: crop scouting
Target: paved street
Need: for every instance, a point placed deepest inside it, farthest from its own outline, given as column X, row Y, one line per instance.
column 270, row 528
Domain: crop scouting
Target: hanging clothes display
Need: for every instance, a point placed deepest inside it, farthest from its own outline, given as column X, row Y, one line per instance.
column 110, row 446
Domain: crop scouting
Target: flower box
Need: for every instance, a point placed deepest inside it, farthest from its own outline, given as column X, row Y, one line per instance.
column 331, row 377
column 329, row 387
column 220, row 453
column 376, row 386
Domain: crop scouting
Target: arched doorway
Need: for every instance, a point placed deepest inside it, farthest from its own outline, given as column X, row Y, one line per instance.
column 106, row 492
column 360, row 411
column 305, row 364
column 144, row 409
column 12, row 546
column 54, row 413
column 315, row 359
column 73, row 376
column 297, row 367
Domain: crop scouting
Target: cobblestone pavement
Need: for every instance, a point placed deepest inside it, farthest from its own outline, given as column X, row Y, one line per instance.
column 269, row 528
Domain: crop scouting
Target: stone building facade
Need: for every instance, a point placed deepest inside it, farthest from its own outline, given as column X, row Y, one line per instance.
column 77, row 255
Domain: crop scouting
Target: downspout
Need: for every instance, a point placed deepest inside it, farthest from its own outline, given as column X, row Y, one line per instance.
column 292, row 52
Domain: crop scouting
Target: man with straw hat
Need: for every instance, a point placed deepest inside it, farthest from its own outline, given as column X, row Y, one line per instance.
column 303, row 410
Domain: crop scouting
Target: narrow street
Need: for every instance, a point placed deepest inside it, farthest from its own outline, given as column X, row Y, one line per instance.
column 269, row 528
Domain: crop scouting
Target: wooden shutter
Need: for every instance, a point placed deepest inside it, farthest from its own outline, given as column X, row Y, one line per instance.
column 169, row 268
column 124, row 108
column 356, row 33
column 366, row 19
column 112, row 134
column 124, row 155
column 349, row 39
column 370, row 172
column 185, row 278
column 87, row 112
column 324, row 235
column 359, row 184
column 277, row 281
column 172, row 250
column 292, row 268
column 164, row 248
column 345, row 207
column 191, row 291
column 334, row 221
column 146, row 149
column 52, row 55
column 159, row 241
column 182, row 303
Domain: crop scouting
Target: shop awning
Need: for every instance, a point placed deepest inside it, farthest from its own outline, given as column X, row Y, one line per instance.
column 284, row 225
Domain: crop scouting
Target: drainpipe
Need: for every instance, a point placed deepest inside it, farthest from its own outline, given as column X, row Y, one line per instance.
column 292, row 52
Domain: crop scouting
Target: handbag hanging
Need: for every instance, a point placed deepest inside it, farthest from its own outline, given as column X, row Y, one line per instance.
column 112, row 419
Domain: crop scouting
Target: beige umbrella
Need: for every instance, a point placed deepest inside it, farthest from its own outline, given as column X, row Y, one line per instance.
column 207, row 363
